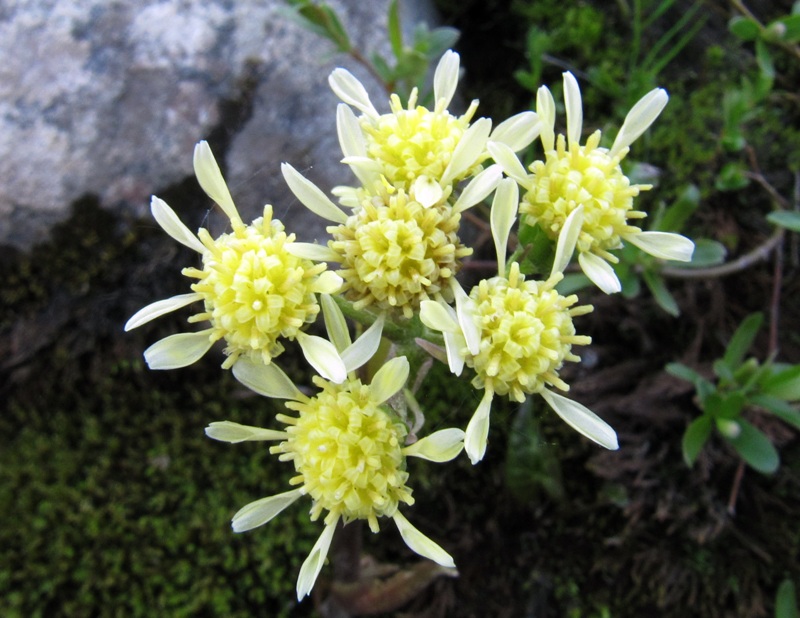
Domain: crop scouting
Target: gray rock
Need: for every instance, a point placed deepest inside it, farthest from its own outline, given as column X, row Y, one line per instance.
column 108, row 99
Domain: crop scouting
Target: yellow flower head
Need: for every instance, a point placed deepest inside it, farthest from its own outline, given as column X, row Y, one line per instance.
column 347, row 450
column 526, row 334
column 396, row 253
column 257, row 284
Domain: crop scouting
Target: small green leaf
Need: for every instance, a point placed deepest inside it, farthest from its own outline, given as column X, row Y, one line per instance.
column 744, row 28
column 540, row 249
column 725, row 406
column 660, row 293
column 741, row 340
column 675, row 215
column 764, row 60
column 722, row 371
column 784, row 411
column 732, row 177
column 786, row 219
column 571, row 283
column 679, row 370
column 783, row 382
column 695, row 437
column 706, row 253
column 393, row 27
column 786, row 601
column 755, row 448
column 791, row 33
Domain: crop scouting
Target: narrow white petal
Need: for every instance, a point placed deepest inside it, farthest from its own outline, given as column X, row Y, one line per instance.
column 321, row 354
column 453, row 343
column 178, row 351
column 436, row 317
column 466, row 310
column 312, row 251
column 351, row 138
column 426, row 191
column 313, row 564
column 600, row 272
column 159, row 308
column 479, row 188
column 639, row 119
column 226, row 431
column 518, row 131
column 335, row 323
column 261, row 511
column 582, row 420
column 469, row 149
column 546, row 110
column 440, row 446
column 511, row 165
column 504, row 213
column 210, row 178
column 389, row 379
column 172, row 225
column 445, row 79
column 420, row 543
column 328, row 282
column 567, row 239
column 364, row 348
column 574, row 105
column 664, row 245
column 268, row 380
column 311, row 195
column 351, row 91
column 477, row 433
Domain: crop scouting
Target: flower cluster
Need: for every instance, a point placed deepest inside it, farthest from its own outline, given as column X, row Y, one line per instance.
column 395, row 236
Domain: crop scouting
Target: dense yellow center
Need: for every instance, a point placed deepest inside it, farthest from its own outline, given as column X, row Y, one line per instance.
column 396, row 253
column 254, row 291
column 583, row 176
column 347, row 451
column 413, row 142
column 526, row 334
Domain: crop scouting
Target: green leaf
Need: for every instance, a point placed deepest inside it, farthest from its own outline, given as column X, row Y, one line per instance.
column 679, row 370
column 707, row 252
column 783, row 383
column 791, row 33
column 320, row 19
column 741, row 340
column 786, row 219
column 675, row 215
column 744, row 28
column 755, row 448
column 724, row 406
column 732, row 177
column 393, row 27
column 540, row 249
column 695, row 437
column 439, row 40
column 572, row 283
column 786, row 601
column 784, row 411
column 660, row 292
column 764, row 60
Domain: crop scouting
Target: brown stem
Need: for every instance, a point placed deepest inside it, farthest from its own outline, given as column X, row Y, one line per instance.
column 737, row 482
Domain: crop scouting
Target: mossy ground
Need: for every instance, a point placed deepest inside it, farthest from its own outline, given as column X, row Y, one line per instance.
column 113, row 502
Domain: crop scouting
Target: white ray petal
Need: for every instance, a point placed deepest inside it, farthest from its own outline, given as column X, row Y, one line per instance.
column 159, row 308
column 440, row 446
column 312, row 251
column 350, row 90
column 466, row 311
column 435, row 316
column 574, row 105
column 468, row 151
column 664, row 245
column 582, row 419
column 364, row 348
column 172, row 225
column 504, row 213
column 477, row 434
column 322, row 355
column 420, row 543
column 268, row 380
column 453, row 343
column 479, row 188
column 316, row 559
column 210, row 178
column 639, row 119
column 335, row 323
column 518, row 131
column 389, row 379
column 226, row 431
column 567, row 239
column 261, row 511
column 546, row 110
column 311, row 196
column 445, row 79
column 511, row 165
column 178, row 351
column 426, row 191
column 327, row 282
column 351, row 137
column 600, row 272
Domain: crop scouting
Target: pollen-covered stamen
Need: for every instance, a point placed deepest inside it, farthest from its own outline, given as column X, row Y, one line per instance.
column 347, row 450
column 583, row 176
column 253, row 289
column 526, row 334
column 395, row 253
